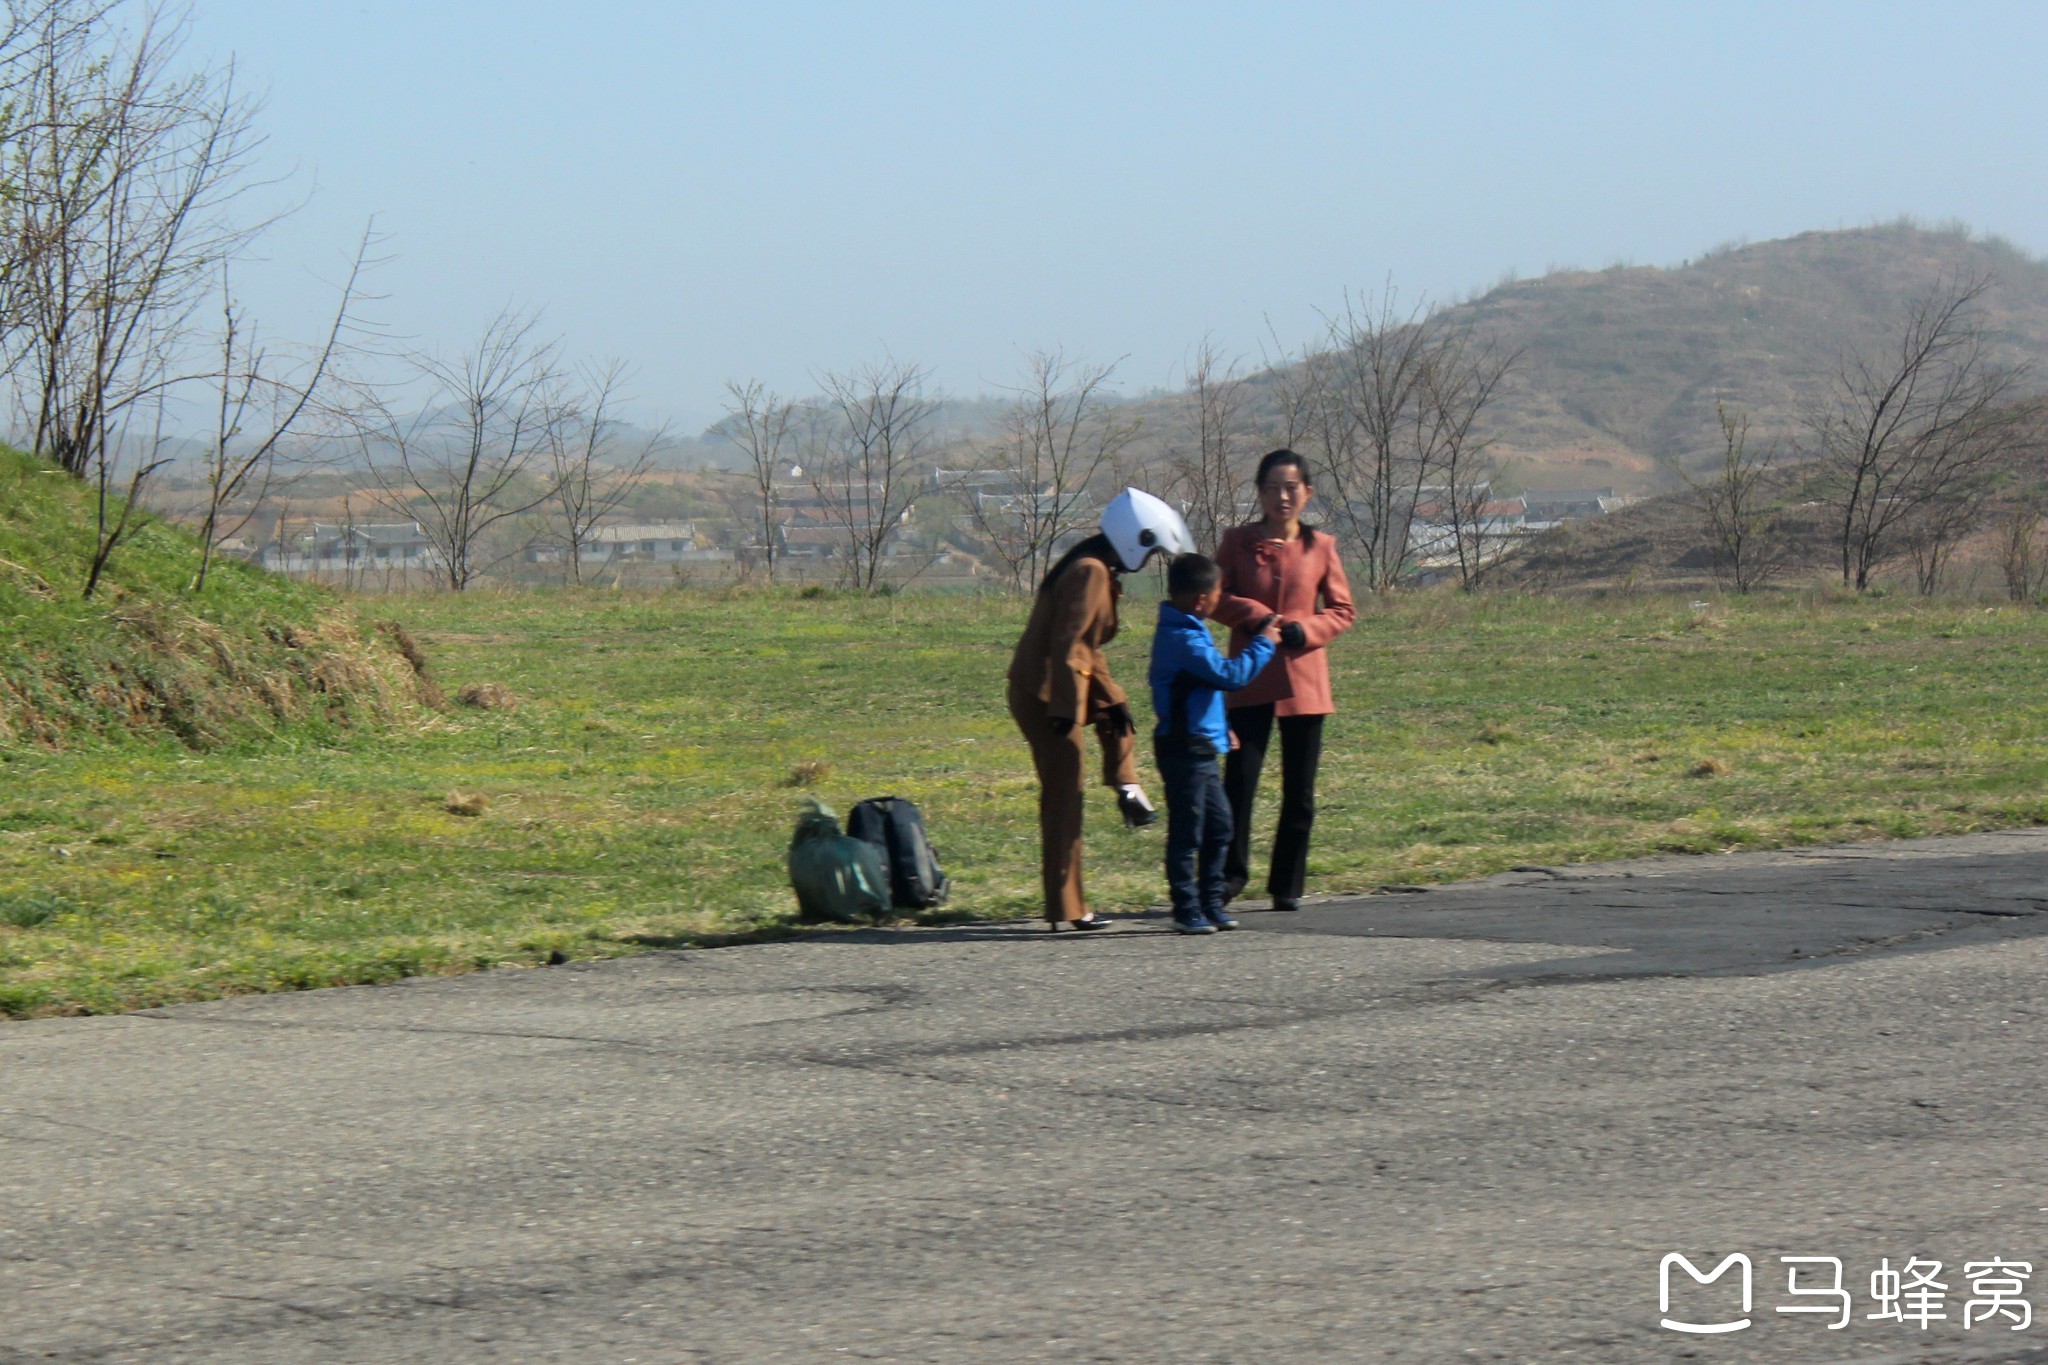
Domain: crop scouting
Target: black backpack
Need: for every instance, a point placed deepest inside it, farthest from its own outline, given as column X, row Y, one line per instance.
column 896, row 828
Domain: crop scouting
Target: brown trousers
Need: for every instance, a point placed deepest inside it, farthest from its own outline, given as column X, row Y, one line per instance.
column 1061, row 790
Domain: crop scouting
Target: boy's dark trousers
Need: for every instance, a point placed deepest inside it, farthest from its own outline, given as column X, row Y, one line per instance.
column 1197, row 823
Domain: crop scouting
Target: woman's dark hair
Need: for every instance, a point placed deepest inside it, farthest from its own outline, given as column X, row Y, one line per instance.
column 1280, row 457
column 1096, row 546
column 1284, row 456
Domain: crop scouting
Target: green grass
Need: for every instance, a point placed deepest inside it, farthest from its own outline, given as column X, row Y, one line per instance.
column 637, row 797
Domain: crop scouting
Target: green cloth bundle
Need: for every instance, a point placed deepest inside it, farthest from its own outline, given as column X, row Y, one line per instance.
column 835, row 877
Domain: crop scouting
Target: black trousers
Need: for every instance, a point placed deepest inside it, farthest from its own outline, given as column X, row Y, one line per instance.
column 1301, row 753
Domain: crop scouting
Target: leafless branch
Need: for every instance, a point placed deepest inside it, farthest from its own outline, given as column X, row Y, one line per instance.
column 472, row 457
column 594, row 474
column 866, row 476
column 1209, row 462
column 1744, row 528
column 254, row 384
column 760, row 422
column 1912, row 436
column 1055, row 438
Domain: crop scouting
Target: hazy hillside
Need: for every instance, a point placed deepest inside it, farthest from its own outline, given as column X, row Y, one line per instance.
column 1621, row 368
column 1664, row 539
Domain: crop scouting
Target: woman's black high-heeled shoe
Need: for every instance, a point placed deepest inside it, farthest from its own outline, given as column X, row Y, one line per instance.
column 1079, row 926
column 1137, row 811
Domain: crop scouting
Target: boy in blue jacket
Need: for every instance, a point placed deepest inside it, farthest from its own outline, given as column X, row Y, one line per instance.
column 1189, row 676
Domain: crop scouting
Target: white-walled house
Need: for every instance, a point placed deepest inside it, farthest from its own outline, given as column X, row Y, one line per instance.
column 1490, row 528
column 646, row 542
column 330, row 547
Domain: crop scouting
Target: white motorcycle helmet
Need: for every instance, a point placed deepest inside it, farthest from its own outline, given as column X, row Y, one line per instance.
column 1139, row 525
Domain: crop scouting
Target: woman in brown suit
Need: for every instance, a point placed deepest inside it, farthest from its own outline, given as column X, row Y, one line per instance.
column 1277, row 564
column 1060, row 682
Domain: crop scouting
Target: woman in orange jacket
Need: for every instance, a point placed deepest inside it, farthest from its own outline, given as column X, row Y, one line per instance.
column 1278, row 564
column 1060, row 685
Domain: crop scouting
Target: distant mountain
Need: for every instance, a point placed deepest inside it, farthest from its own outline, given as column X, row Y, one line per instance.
column 1621, row 368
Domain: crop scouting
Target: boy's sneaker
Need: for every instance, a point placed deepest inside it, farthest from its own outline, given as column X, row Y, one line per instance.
column 1193, row 924
column 1221, row 918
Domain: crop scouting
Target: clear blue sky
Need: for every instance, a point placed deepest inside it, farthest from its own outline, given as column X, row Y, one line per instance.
column 772, row 189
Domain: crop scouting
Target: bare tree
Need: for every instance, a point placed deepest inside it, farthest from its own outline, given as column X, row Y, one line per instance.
column 1460, row 378
column 1056, row 436
column 352, row 559
column 32, row 34
column 474, row 455
column 1932, row 534
column 116, row 516
column 119, row 174
column 255, row 386
column 593, row 472
column 759, row 421
column 1359, row 398
column 123, row 174
column 1742, row 523
column 866, row 480
column 2021, row 555
column 1208, row 466
column 1910, row 436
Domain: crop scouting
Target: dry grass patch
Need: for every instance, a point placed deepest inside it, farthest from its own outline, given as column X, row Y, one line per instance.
column 488, row 697
column 808, row 773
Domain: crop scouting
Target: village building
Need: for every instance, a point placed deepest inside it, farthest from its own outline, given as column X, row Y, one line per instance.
column 1550, row 507
column 344, row 547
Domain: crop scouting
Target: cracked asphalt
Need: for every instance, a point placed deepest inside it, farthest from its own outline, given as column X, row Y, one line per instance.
column 1460, row 1124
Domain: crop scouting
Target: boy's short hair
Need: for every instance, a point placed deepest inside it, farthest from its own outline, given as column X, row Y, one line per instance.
column 1189, row 575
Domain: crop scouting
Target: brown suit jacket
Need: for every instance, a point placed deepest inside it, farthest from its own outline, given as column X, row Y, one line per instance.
column 1059, row 659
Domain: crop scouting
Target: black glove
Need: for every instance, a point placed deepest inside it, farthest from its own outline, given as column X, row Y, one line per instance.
column 1062, row 726
column 1293, row 636
column 1119, row 718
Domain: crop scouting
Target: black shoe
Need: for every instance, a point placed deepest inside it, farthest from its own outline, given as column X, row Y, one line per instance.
column 1138, row 812
column 1286, row 903
column 1233, row 887
column 1079, row 926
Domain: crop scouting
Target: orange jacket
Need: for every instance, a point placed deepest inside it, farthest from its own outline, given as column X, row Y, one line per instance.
column 1261, row 576
column 1059, row 659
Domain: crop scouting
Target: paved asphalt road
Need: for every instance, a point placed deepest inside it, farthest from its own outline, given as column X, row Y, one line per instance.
column 1462, row 1124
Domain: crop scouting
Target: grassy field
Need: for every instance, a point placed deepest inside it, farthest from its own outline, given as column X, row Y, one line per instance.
column 639, row 796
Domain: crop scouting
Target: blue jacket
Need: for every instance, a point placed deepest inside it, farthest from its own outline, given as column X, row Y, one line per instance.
column 1183, row 653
